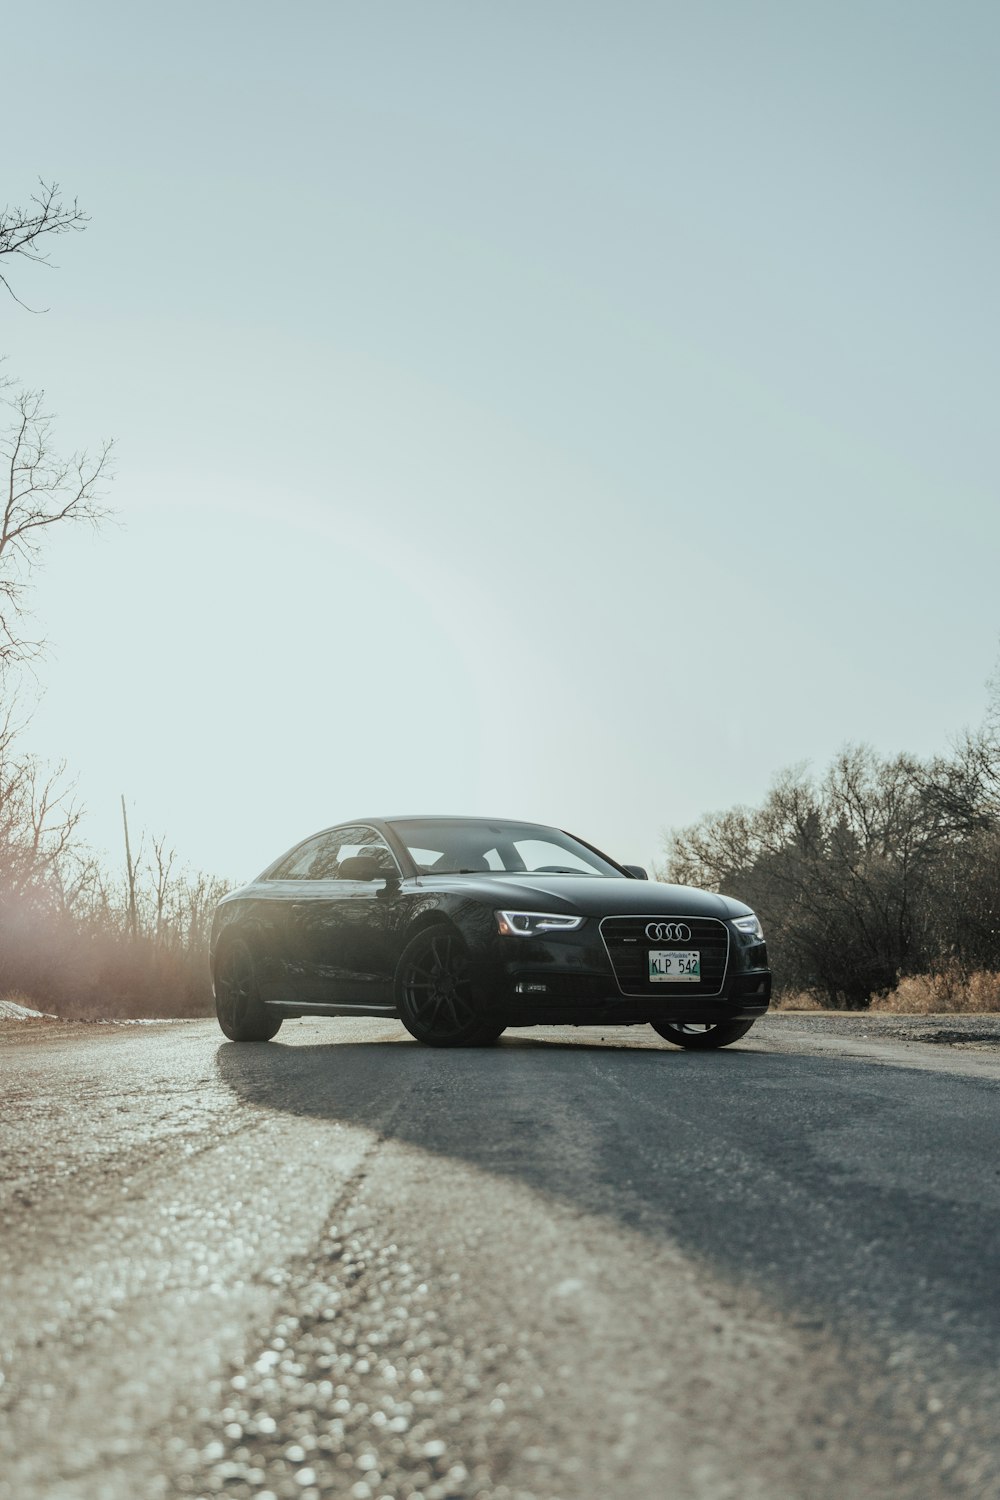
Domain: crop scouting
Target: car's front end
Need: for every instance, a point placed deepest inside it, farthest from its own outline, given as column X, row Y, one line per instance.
column 615, row 952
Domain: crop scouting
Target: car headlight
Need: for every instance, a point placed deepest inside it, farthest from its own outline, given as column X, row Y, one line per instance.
column 751, row 925
column 526, row 923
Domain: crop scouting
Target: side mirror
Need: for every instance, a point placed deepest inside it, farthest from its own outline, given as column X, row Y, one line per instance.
column 362, row 867
column 636, row 872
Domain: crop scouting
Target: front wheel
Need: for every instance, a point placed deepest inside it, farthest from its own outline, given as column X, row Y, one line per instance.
column 435, row 996
column 241, row 1012
column 701, row 1036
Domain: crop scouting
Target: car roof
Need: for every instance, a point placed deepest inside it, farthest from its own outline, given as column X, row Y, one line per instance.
column 452, row 818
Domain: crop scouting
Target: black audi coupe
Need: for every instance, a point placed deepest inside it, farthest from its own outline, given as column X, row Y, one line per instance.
column 461, row 927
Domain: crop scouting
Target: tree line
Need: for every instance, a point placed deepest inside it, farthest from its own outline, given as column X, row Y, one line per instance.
column 881, row 868
column 77, row 941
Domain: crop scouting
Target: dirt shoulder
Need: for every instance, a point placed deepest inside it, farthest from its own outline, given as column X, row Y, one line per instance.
column 977, row 1032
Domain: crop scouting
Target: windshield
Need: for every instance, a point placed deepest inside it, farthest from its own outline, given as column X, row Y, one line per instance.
column 456, row 846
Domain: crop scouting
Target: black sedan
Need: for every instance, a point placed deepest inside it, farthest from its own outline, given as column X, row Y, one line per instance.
column 461, row 927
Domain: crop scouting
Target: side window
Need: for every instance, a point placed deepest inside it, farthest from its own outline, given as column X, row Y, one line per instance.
column 373, row 845
column 311, row 860
column 320, row 858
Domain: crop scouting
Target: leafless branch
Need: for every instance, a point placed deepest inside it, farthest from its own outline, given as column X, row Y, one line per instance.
column 40, row 488
column 23, row 231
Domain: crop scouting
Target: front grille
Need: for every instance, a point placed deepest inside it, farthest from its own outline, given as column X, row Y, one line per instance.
column 628, row 948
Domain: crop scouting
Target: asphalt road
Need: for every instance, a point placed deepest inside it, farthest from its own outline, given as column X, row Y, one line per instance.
column 570, row 1266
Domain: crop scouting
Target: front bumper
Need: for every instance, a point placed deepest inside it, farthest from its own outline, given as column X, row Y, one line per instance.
column 568, row 979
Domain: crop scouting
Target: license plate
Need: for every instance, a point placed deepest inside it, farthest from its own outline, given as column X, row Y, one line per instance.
column 674, row 965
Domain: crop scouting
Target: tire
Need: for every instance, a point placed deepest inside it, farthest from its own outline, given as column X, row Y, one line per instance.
column 701, row 1036
column 241, row 1012
column 434, row 993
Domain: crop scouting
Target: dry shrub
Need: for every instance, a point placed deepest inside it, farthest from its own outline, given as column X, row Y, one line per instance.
column 82, row 972
column 918, row 995
column 982, row 991
column 796, row 1000
column 949, row 990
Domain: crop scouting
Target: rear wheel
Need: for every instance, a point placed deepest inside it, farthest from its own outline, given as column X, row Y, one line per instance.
column 435, row 996
column 241, row 1012
column 701, row 1036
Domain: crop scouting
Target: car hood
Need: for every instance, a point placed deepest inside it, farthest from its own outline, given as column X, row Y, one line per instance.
column 601, row 896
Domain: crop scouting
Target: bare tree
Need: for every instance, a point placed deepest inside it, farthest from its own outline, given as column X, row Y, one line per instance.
column 24, row 230
column 160, row 869
column 78, row 884
column 40, row 489
column 846, row 872
column 38, row 819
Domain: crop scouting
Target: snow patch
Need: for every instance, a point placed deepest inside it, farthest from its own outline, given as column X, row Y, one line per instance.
column 11, row 1011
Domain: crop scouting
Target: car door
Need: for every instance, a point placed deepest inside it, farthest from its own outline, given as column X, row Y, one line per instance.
column 340, row 928
column 284, row 943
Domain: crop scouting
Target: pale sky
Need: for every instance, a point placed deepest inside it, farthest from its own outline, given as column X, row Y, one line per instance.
column 566, row 411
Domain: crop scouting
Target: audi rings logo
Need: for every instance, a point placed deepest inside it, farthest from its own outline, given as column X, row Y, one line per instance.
column 668, row 932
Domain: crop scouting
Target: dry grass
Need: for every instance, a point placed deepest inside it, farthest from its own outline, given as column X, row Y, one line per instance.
column 52, row 965
column 797, row 1000
column 948, row 990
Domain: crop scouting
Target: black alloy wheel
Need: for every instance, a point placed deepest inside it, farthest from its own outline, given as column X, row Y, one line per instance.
column 701, row 1036
column 241, row 1012
column 435, row 995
